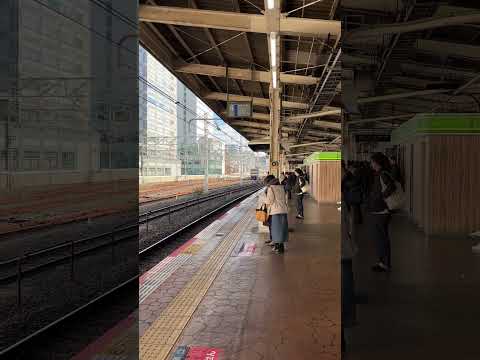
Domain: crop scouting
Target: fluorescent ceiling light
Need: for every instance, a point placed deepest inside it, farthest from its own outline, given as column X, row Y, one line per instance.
column 274, row 79
column 273, row 49
column 270, row 4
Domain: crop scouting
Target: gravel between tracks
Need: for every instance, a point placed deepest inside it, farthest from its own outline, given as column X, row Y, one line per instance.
column 52, row 293
column 165, row 225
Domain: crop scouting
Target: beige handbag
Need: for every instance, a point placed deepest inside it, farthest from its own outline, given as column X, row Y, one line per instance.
column 261, row 214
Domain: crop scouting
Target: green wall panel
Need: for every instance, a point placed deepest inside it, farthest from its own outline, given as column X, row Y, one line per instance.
column 431, row 124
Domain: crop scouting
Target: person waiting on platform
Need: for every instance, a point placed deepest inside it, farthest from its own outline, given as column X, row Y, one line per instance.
column 284, row 179
column 276, row 201
column 262, row 200
column 383, row 185
column 290, row 184
column 348, row 251
column 297, row 190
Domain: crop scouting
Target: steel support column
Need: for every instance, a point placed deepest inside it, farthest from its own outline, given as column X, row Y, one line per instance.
column 275, row 111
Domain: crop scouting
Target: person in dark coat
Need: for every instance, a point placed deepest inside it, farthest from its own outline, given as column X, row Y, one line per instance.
column 297, row 190
column 290, row 184
column 353, row 189
column 382, row 186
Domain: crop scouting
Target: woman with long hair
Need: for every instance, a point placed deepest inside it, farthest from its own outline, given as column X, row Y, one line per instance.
column 262, row 199
column 276, row 201
column 382, row 186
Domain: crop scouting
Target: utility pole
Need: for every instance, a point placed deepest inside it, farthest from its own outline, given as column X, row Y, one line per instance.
column 206, row 151
column 205, row 180
column 241, row 166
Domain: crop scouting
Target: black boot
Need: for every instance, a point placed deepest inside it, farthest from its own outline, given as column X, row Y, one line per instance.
column 280, row 248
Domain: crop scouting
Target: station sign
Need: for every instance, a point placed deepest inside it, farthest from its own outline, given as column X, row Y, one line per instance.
column 197, row 353
column 203, row 353
column 247, row 249
column 239, row 109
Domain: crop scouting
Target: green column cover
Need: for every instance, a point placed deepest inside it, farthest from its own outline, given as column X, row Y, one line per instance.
column 323, row 156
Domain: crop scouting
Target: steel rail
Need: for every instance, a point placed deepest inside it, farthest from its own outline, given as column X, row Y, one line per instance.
column 109, row 237
column 168, row 237
column 117, row 288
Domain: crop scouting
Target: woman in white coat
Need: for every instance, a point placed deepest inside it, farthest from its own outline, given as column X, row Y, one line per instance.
column 276, row 201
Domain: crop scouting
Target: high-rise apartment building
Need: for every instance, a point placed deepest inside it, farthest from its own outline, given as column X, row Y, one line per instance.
column 158, row 118
column 186, row 111
column 187, row 147
column 41, row 56
column 67, row 116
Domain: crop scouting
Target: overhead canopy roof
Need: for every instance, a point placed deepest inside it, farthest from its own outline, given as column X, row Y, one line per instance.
column 404, row 58
column 220, row 50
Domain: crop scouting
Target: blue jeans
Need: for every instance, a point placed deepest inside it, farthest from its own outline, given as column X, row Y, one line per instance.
column 299, row 204
column 379, row 227
column 269, row 221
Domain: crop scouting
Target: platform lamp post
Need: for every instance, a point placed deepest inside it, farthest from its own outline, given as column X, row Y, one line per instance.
column 205, row 182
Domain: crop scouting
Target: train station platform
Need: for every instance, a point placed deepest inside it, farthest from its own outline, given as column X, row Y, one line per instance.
column 426, row 307
column 225, row 295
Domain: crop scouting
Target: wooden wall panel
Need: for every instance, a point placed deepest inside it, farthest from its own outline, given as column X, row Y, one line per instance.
column 326, row 180
column 454, row 191
column 408, row 183
column 419, row 181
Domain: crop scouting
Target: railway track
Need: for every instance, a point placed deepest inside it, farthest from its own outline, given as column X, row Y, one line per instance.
column 69, row 252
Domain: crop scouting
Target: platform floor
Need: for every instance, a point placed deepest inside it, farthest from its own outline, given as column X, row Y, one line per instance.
column 427, row 307
column 227, row 293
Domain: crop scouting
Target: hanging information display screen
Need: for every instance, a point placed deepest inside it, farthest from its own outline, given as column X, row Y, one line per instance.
column 239, row 109
column 372, row 138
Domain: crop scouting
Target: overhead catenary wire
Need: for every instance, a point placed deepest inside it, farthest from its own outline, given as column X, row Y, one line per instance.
column 247, row 61
column 86, row 27
column 303, row 7
column 133, row 52
column 192, row 112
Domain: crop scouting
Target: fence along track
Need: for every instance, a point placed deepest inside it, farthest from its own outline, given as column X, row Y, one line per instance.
column 37, row 261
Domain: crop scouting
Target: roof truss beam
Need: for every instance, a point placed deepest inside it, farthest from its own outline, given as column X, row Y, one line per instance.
column 318, row 123
column 236, row 21
column 213, row 43
column 244, row 74
column 316, row 114
column 255, row 100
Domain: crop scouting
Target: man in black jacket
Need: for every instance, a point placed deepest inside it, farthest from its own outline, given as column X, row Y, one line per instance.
column 297, row 190
column 382, row 186
column 290, row 184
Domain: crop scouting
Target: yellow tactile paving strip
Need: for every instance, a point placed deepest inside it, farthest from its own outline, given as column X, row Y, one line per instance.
column 159, row 339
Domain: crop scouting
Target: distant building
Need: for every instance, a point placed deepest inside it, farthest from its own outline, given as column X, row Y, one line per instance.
column 261, row 161
column 186, row 128
column 232, row 159
column 158, row 120
column 48, row 127
column 69, row 120
column 186, row 108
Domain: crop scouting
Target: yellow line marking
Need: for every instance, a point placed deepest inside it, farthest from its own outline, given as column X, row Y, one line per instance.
column 159, row 339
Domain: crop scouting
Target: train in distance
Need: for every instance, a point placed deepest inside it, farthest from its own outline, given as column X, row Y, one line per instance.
column 256, row 174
